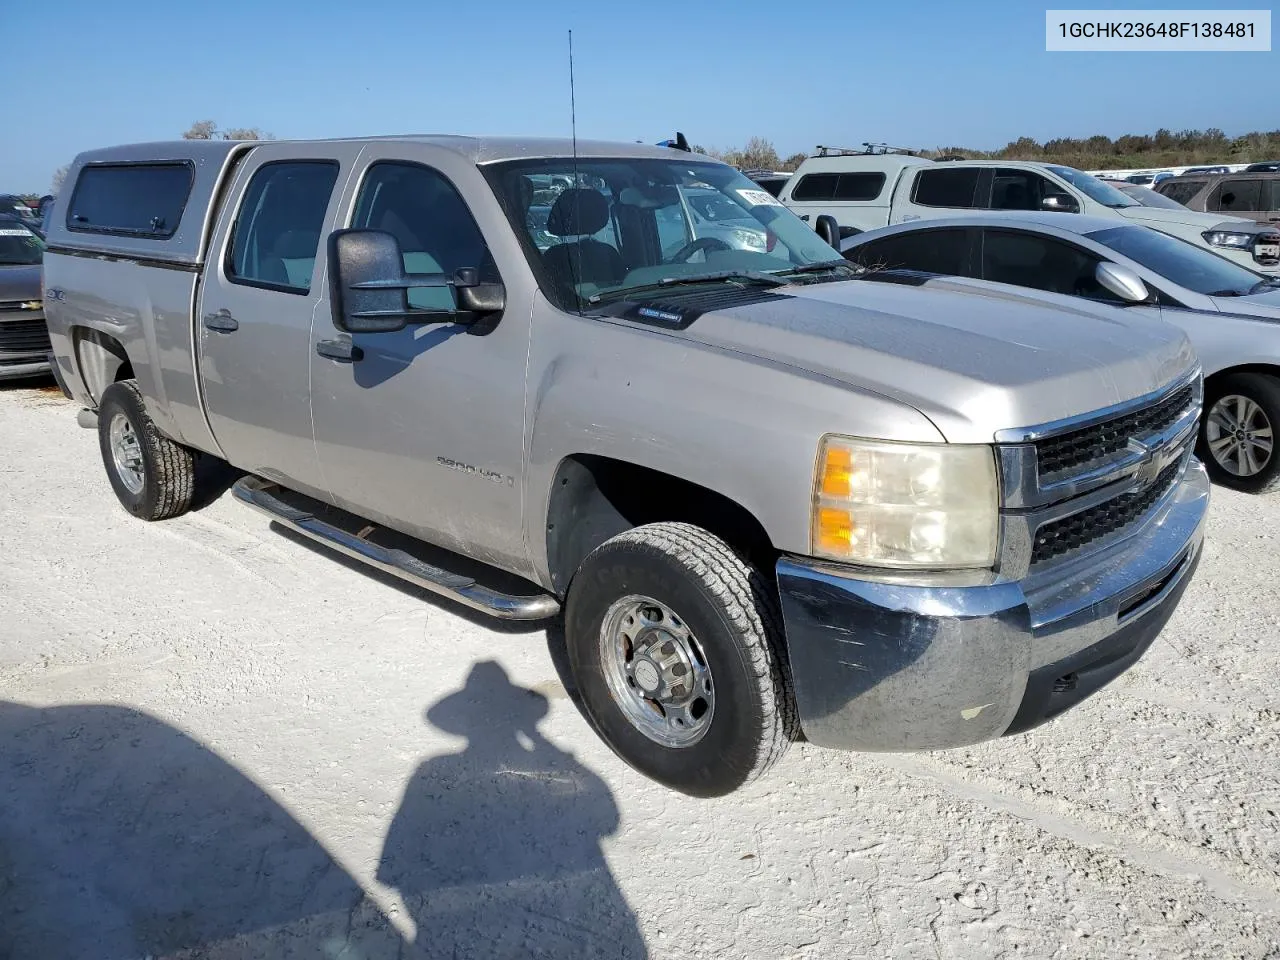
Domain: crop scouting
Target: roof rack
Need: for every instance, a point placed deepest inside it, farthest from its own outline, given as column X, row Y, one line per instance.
column 868, row 149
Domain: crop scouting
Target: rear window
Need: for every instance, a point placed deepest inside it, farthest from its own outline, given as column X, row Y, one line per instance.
column 131, row 199
column 946, row 188
column 839, row 186
column 1180, row 190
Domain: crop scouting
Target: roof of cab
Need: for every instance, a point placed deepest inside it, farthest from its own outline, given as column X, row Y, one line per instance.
column 476, row 149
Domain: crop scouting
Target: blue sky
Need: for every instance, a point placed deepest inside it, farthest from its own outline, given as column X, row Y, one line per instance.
column 926, row 73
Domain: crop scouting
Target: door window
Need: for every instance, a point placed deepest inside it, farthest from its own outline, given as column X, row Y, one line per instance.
column 1041, row 263
column 1229, row 196
column 946, row 188
column 427, row 215
column 1019, row 190
column 931, row 251
column 277, row 231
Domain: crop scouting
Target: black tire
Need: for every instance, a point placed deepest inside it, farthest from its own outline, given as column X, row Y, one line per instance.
column 1262, row 390
column 167, row 468
column 731, row 610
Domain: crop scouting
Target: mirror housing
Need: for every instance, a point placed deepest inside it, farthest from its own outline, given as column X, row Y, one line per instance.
column 1059, row 203
column 828, row 229
column 370, row 290
column 1121, row 281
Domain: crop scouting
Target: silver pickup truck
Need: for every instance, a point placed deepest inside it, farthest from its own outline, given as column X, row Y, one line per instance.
column 768, row 498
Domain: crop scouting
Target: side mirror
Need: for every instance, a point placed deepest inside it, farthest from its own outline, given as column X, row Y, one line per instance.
column 828, row 229
column 1059, row 203
column 1121, row 281
column 370, row 290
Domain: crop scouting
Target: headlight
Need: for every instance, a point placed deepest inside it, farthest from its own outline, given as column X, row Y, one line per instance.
column 749, row 239
column 929, row 505
column 1223, row 238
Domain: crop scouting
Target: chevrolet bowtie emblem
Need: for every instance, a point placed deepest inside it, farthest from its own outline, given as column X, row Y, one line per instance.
column 29, row 305
column 1149, row 467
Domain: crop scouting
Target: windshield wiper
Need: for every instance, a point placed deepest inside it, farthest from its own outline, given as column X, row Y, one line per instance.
column 1263, row 284
column 749, row 276
column 1226, row 293
column 820, row 266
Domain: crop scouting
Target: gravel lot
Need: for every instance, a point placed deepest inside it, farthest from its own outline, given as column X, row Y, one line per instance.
column 218, row 741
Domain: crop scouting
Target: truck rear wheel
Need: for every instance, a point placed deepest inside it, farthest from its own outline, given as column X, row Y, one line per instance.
column 153, row 477
column 676, row 648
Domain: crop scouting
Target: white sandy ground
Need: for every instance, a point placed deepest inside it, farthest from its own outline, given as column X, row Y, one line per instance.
column 1145, row 823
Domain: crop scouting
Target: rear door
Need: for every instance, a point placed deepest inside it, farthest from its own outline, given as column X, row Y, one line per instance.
column 937, row 191
column 262, row 285
column 947, row 251
column 1239, row 197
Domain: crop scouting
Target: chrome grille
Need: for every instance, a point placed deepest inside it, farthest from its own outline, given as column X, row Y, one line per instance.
column 1087, row 526
column 1081, row 449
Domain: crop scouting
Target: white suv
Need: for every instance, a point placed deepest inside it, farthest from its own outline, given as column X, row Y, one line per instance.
column 865, row 191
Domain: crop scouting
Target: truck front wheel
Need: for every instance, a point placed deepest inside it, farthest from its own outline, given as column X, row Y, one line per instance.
column 676, row 648
column 153, row 477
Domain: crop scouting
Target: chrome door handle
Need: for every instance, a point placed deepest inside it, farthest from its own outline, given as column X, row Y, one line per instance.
column 222, row 322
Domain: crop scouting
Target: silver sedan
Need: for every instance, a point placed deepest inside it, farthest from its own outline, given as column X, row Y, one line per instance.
column 1230, row 313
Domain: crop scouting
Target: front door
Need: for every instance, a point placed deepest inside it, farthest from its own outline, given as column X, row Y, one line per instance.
column 425, row 431
column 262, row 284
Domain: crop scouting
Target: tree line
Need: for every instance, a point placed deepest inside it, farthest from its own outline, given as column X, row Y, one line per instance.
column 1164, row 148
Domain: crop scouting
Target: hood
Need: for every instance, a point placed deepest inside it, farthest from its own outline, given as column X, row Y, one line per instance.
column 1189, row 217
column 20, row 282
column 975, row 358
column 1263, row 306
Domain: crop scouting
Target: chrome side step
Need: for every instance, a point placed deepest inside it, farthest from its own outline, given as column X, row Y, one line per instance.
column 259, row 494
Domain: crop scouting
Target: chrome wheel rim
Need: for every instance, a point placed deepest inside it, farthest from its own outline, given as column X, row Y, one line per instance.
column 656, row 671
column 1239, row 436
column 126, row 452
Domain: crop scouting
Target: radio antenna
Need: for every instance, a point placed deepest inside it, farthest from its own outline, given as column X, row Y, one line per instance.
column 575, row 268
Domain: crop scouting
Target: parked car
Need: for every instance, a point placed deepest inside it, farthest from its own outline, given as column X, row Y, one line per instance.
column 864, row 191
column 1192, row 171
column 1253, row 195
column 24, row 339
column 771, row 180
column 1230, row 313
column 1266, row 166
column 1140, row 178
column 15, row 207
column 767, row 497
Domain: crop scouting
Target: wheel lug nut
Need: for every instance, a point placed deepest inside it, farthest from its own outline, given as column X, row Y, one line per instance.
column 679, row 670
column 678, row 692
column 668, row 648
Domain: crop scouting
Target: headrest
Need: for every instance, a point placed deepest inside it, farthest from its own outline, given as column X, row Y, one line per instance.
column 578, row 212
column 296, row 245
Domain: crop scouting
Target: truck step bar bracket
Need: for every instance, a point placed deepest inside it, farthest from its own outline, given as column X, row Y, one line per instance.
column 263, row 495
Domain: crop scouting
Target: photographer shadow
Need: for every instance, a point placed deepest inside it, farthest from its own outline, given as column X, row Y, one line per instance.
column 496, row 849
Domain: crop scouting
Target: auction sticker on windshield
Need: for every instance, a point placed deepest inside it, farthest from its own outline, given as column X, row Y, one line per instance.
column 15, row 233
column 759, row 198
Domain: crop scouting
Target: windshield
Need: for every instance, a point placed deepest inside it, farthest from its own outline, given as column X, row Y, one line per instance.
column 1149, row 198
column 1184, row 263
column 19, row 245
column 1093, row 188
column 602, row 227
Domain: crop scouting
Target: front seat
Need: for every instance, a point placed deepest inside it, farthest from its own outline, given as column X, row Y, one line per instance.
column 577, row 214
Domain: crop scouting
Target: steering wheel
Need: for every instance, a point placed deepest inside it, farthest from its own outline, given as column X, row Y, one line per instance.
column 694, row 246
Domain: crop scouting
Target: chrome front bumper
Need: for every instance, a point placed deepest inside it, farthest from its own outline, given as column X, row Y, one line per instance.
column 885, row 665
